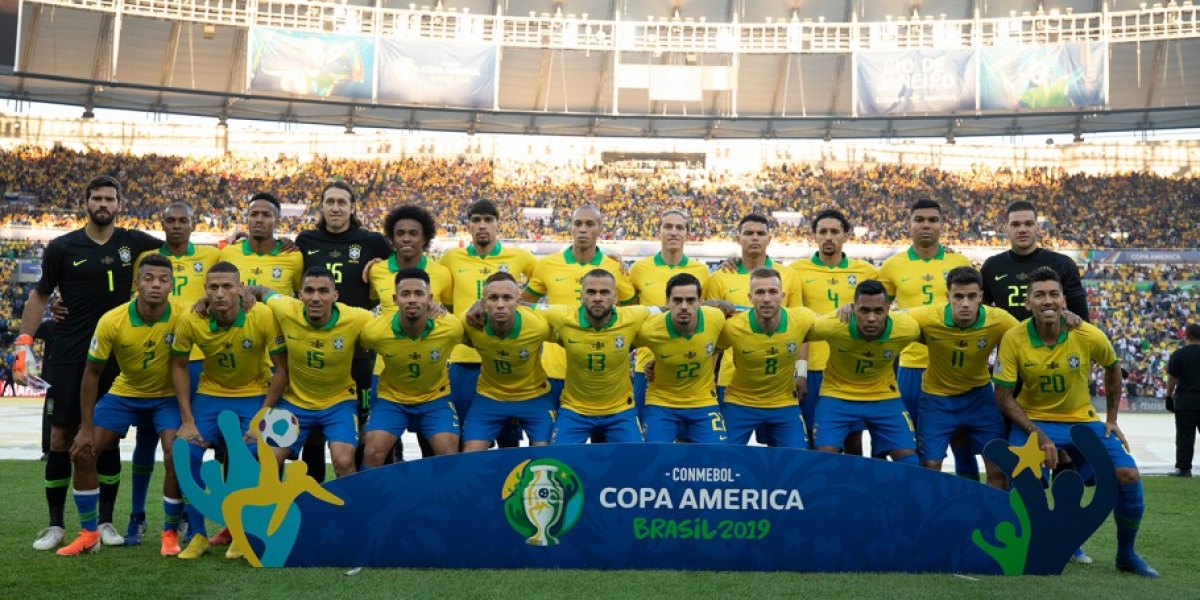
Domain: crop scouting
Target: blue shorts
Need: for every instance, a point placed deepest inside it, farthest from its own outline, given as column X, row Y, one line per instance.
column 573, row 428
column 146, row 424
column 908, row 379
column 885, row 419
column 721, row 396
column 427, row 418
column 778, row 427
column 697, row 425
column 489, row 416
column 1060, row 434
column 205, row 410
column 463, row 379
column 118, row 413
column 339, row 422
column 639, row 394
column 974, row 412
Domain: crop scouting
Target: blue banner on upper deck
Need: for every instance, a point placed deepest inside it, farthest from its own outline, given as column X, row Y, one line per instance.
column 915, row 81
column 1055, row 76
column 311, row 64
column 437, row 73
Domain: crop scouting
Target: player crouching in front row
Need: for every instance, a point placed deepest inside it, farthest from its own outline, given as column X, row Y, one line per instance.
column 139, row 336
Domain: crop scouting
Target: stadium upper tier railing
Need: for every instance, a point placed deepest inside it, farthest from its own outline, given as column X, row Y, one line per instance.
column 1158, row 21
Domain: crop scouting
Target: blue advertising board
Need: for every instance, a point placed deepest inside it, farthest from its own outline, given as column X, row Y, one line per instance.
column 656, row 506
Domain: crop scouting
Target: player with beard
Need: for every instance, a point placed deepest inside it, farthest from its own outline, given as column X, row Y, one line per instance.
column 829, row 279
column 471, row 267
column 93, row 270
column 343, row 246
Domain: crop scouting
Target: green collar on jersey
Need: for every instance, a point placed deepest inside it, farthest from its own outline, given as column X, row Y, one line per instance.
column 887, row 330
column 783, row 322
column 948, row 319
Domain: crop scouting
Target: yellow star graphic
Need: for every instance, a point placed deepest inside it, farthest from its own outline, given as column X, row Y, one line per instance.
column 1029, row 456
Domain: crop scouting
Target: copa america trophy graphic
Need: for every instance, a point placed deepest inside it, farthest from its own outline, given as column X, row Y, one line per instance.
column 543, row 500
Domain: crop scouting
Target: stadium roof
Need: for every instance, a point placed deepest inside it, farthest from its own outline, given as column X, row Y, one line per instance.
column 190, row 57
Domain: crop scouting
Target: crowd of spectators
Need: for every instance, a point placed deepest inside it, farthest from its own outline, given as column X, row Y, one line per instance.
column 1082, row 211
column 1143, row 309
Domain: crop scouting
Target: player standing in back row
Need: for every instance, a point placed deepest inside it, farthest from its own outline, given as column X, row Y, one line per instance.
column 92, row 268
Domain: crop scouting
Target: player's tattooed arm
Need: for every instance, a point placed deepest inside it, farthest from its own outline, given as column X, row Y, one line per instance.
column 1113, row 384
column 723, row 306
column 1013, row 411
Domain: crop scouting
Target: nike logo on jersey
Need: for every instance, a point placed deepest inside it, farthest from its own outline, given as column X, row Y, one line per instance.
column 809, row 280
column 666, row 356
column 1029, row 364
column 905, row 279
column 312, row 252
column 463, row 270
column 732, row 290
column 841, row 350
column 999, row 277
column 389, row 355
column 557, row 279
column 292, row 337
column 572, row 341
column 747, row 352
column 78, row 262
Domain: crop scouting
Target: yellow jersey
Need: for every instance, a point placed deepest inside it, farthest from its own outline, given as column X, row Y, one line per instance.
column 734, row 288
column 827, row 288
column 764, row 361
column 470, row 270
column 557, row 280
column 142, row 350
column 597, row 381
column 189, row 271
column 511, row 370
column 1055, row 378
column 683, row 364
column 649, row 278
column 281, row 271
column 236, row 363
column 914, row 281
column 861, row 370
column 414, row 368
column 383, row 286
column 318, row 358
column 958, row 358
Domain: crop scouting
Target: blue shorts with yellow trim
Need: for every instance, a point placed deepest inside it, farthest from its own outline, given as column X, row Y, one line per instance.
column 427, row 418
column 489, row 416
column 339, row 422
column 118, row 413
column 777, row 427
column 573, row 428
column 697, row 425
column 886, row 420
column 205, row 410
column 974, row 412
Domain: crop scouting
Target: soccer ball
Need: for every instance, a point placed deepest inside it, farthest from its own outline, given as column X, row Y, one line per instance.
column 279, row 427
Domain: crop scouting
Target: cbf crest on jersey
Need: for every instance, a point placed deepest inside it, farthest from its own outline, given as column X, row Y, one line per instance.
column 619, row 342
column 276, row 273
column 434, row 355
column 338, row 343
column 198, row 267
column 981, row 343
column 523, row 354
column 355, row 252
column 709, row 348
column 1073, row 361
column 169, row 338
column 247, row 343
column 791, row 347
column 888, row 354
column 852, row 280
column 125, row 253
column 503, row 268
